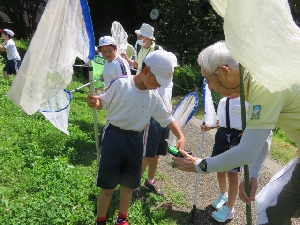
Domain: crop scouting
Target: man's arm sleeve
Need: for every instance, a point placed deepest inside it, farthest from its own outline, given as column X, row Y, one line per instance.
column 255, row 167
column 245, row 153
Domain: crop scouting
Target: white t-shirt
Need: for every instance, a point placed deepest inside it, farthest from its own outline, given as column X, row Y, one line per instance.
column 11, row 50
column 131, row 108
column 116, row 67
column 166, row 94
column 234, row 113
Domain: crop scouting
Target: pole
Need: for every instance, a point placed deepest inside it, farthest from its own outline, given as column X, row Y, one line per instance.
column 246, row 168
column 197, row 179
column 92, row 90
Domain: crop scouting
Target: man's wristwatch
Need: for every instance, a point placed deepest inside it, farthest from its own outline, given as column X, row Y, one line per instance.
column 203, row 165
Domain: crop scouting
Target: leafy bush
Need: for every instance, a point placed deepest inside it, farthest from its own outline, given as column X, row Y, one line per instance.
column 186, row 79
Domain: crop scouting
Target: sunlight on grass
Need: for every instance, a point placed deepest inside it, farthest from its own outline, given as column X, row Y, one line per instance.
column 281, row 151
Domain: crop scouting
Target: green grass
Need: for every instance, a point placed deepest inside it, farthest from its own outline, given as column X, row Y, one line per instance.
column 48, row 177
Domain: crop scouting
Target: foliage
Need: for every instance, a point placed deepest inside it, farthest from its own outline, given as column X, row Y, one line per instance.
column 23, row 14
column 279, row 133
column 295, row 9
column 186, row 79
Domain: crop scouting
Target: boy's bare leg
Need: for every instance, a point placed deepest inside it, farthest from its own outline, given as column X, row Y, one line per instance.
column 5, row 75
column 103, row 201
column 232, row 188
column 125, row 198
column 152, row 167
column 221, row 176
column 145, row 163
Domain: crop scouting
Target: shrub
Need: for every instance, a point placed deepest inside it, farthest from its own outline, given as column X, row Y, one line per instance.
column 186, row 79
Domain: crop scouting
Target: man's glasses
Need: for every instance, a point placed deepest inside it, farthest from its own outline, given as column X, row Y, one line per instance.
column 214, row 73
column 109, row 51
column 207, row 80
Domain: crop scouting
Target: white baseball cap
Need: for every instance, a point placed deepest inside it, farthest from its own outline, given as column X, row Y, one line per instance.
column 161, row 65
column 146, row 30
column 8, row 32
column 174, row 59
column 106, row 40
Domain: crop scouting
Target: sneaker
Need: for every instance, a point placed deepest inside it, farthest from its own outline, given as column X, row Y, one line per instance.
column 121, row 221
column 137, row 193
column 224, row 214
column 221, row 200
column 153, row 187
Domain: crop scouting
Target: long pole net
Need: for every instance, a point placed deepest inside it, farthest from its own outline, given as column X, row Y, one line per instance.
column 246, row 168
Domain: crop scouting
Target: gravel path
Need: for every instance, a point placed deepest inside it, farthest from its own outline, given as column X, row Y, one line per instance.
column 208, row 186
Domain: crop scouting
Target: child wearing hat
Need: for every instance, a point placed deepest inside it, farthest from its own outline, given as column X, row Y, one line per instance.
column 114, row 64
column 130, row 102
column 13, row 62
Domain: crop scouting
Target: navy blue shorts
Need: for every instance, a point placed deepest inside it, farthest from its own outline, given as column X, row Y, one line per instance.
column 12, row 66
column 221, row 143
column 121, row 158
column 154, row 139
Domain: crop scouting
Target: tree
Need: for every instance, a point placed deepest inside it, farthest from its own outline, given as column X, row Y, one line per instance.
column 23, row 14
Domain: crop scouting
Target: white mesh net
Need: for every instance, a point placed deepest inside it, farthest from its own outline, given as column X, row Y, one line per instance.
column 51, row 54
column 183, row 113
column 263, row 37
column 120, row 36
column 269, row 193
column 209, row 118
column 61, row 36
column 57, row 108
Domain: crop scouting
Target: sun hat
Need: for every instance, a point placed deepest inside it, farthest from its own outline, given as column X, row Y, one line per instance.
column 146, row 30
column 106, row 40
column 7, row 31
column 161, row 65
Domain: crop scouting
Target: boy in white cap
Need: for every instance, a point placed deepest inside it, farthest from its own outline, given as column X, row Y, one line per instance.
column 114, row 64
column 130, row 102
column 13, row 62
column 154, row 135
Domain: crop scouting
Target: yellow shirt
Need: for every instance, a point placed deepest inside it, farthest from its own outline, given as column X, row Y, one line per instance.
column 142, row 55
column 278, row 109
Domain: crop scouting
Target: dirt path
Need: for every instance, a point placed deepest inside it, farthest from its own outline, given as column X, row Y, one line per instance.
column 208, row 186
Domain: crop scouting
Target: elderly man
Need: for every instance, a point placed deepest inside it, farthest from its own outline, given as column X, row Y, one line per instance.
column 266, row 110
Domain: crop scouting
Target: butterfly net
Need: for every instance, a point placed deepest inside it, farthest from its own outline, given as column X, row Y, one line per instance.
column 183, row 113
column 47, row 67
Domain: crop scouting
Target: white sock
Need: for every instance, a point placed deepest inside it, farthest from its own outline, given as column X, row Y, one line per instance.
column 150, row 181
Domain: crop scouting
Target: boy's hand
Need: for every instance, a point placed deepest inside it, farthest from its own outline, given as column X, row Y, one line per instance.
column 180, row 143
column 187, row 163
column 123, row 55
column 93, row 101
column 204, row 128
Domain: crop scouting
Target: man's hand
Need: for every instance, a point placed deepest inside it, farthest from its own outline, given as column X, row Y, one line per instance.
column 187, row 163
column 93, row 101
column 253, row 188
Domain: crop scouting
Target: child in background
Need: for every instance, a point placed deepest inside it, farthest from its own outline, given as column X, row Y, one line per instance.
column 227, row 211
column 13, row 62
column 114, row 64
